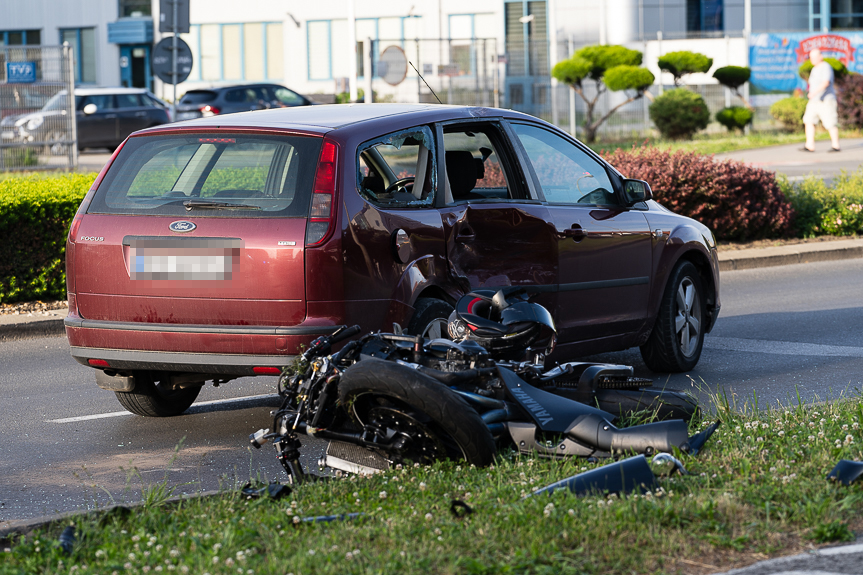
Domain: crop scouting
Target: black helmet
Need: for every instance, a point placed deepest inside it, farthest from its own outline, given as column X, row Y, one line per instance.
column 507, row 325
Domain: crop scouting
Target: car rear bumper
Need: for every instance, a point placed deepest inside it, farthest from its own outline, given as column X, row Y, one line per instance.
column 213, row 349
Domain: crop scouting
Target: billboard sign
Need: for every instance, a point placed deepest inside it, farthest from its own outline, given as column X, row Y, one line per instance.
column 775, row 58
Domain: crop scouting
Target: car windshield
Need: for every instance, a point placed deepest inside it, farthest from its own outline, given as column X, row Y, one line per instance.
column 229, row 175
column 197, row 96
column 57, row 102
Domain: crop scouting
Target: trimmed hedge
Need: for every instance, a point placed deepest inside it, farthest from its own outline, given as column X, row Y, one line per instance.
column 789, row 111
column 738, row 202
column 35, row 215
column 851, row 102
column 734, row 117
column 820, row 209
column 679, row 113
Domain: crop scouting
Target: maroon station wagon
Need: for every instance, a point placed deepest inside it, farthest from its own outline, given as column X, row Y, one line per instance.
column 216, row 248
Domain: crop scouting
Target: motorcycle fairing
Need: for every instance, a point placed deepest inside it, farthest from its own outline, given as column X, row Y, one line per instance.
column 552, row 413
column 624, row 476
column 846, row 471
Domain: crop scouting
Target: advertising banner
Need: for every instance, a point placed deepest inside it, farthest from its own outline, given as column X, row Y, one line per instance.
column 775, row 58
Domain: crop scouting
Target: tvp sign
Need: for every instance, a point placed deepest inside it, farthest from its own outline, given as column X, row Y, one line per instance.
column 21, row 72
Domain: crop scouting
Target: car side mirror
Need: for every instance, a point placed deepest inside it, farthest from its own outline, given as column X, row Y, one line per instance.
column 636, row 191
column 90, row 109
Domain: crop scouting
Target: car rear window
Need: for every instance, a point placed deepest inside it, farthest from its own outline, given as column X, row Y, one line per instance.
column 211, row 175
column 197, row 96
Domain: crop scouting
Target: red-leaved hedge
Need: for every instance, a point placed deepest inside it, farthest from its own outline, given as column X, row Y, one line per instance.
column 738, row 202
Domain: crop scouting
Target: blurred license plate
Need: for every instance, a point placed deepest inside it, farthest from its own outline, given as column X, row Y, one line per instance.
column 188, row 115
column 185, row 259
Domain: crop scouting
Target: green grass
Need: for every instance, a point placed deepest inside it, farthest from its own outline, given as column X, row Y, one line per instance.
column 717, row 143
column 757, row 490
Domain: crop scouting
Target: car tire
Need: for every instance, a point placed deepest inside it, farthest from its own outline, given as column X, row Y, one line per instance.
column 430, row 318
column 152, row 398
column 441, row 424
column 677, row 338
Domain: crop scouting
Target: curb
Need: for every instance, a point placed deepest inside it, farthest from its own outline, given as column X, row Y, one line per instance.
column 787, row 255
column 22, row 527
column 30, row 329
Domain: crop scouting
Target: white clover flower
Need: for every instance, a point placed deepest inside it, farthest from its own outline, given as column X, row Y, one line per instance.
column 437, row 531
column 229, row 562
column 349, row 555
column 781, row 433
column 382, row 494
column 174, row 553
column 131, row 556
column 215, row 560
column 855, row 425
column 760, row 439
column 217, row 546
column 764, row 426
column 100, row 553
column 811, row 438
column 311, row 551
column 128, row 566
column 820, row 434
column 845, row 427
column 549, row 509
column 422, row 486
column 571, row 512
column 296, row 519
column 429, row 517
column 848, row 439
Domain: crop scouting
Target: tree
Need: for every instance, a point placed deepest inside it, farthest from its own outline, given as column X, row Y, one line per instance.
column 614, row 68
column 733, row 77
column 684, row 62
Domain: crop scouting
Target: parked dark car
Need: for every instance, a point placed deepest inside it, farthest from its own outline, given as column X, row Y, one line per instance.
column 104, row 116
column 229, row 99
column 217, row 248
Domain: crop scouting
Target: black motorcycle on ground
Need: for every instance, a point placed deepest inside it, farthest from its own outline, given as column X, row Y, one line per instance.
column 389, row 398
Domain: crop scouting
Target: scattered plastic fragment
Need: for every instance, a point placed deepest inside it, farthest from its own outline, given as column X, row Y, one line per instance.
column 460, row 509
column 664, row 464
column 67, row 539
column 846, row 471
column 697, row 441
column 331, row 518
column 625, row 476
column 273, row 490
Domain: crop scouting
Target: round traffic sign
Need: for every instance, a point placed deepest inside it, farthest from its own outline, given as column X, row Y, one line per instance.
column 393, row 65
column 163, row 62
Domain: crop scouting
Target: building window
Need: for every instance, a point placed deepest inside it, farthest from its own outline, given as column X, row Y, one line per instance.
column 21, row 38
column 135, row 8
column 526, row 38
column 845, row 14
column 83, row 42
column 704, row 15
column 245, row 51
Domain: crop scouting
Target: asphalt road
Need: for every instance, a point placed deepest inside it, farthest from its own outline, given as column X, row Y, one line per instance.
column 65, row 444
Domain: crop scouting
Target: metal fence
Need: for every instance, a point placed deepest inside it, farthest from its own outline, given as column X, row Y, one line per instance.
column 37, row 108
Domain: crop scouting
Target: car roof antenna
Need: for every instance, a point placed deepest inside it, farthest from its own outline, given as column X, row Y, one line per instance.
column 424, row 81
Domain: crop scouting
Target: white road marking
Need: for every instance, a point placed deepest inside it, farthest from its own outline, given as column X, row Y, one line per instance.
column 200, row 403
column 858, row 548
column 781, row 347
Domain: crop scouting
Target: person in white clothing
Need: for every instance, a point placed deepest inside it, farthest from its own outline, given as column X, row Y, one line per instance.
column 822, row 103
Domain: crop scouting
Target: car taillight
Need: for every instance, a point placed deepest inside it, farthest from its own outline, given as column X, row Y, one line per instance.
column 209, row 110
column 267, row 370
column 98, row 363
column 321, row 213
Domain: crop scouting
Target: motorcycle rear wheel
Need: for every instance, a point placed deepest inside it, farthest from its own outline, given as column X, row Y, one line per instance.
column 440, row 424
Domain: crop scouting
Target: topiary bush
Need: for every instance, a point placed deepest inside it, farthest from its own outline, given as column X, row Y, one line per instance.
column 738, row 202
column 684, row 62
column 679, row 113
column 732, row 76
column 789, row 112
column 851, row 102
column 32, row 263
column 734, row 117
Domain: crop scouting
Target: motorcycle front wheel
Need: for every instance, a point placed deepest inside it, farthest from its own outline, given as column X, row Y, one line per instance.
column 430, row 420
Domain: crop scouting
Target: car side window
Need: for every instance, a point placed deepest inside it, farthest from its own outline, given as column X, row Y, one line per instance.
column 128, row 100
column 475, row 169
column 398, row 170
column 288, row 98
column 566, row 173
column 103, row 102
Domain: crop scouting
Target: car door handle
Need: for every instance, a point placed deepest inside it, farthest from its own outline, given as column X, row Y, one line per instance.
column 576, row 232
column 110, row 116
column 465, row 235
column 140, row 113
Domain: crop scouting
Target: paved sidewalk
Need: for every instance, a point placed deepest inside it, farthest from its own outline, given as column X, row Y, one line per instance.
column 796, row 164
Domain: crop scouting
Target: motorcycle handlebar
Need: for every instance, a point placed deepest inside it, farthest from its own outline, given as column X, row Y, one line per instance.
column 324, row 342
column 344, row 333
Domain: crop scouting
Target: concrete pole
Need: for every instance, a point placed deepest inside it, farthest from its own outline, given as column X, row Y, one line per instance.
column 552, row 56
column 352, row 51
column 603, row 26
column 572, row 119
column 174, row 74
column 367, row 70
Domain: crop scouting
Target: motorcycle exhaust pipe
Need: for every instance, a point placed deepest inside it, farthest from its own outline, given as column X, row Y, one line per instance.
column 649, row 438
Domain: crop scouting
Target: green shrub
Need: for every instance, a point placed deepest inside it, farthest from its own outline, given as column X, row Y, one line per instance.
column 827, row 210
column 35, row 214
column 627, row 78
column 603, row 57
column 732, row 76
column 684, row 62
column 851, row 102
column 789, row 111
column 734, row 118
column 839, row 69
column 738, row 202
column 679, row 113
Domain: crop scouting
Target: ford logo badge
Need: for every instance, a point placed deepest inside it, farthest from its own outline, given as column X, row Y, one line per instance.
column 182, row 226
